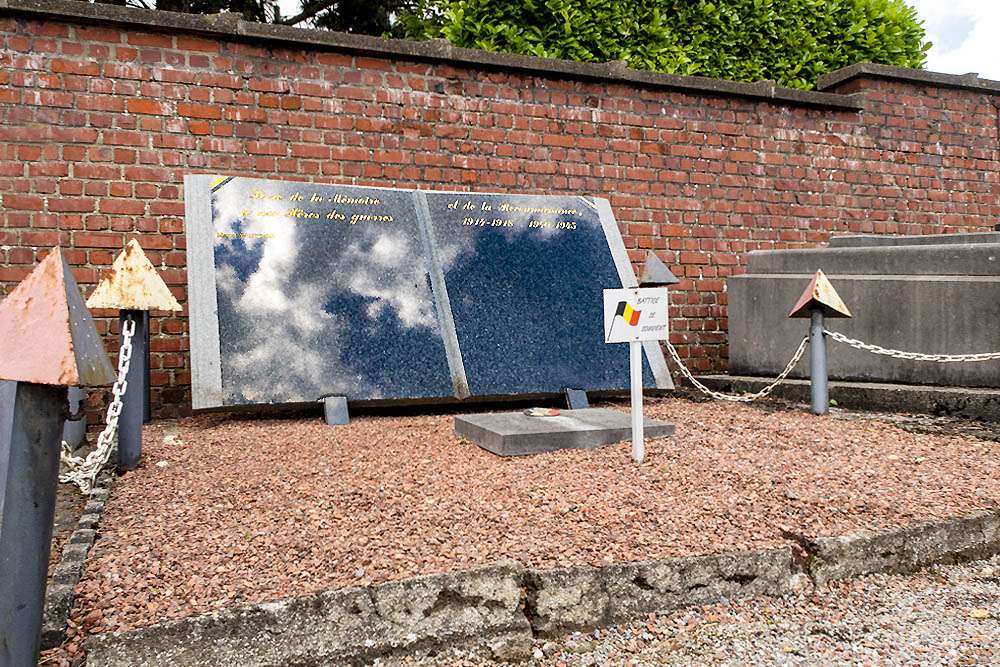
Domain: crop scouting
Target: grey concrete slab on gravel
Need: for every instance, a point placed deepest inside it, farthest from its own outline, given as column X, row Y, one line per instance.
column 516, row 434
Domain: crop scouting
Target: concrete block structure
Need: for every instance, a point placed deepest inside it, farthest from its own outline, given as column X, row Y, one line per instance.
column 924, row 294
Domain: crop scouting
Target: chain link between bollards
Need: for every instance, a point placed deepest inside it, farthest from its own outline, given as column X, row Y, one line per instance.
column 733, row 397
column 912, row 356
column 83, row 471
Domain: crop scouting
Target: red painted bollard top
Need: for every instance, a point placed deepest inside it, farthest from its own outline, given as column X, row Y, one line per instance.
column 820, row 294
column 47, row 335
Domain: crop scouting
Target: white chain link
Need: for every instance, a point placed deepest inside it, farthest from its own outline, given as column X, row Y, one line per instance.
column 744, row 398
column 914, row 356
column 83, row 471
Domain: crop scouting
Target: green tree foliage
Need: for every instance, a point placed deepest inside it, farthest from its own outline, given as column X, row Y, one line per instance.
column 789, row 41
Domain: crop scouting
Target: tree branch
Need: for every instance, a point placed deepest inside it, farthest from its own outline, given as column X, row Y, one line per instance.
column 308, row 12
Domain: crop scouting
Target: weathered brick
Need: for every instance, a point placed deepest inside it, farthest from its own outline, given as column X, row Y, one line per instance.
column 97, row 240
column 81, row 67
column 155, row 107
column 206, row 111
column 197, row 44
column 22, row 202
column 70, row 204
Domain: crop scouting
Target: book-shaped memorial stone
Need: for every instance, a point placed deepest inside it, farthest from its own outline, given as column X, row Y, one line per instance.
column 299, row 291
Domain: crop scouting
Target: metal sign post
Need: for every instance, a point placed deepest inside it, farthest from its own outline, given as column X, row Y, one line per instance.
column 635, row 378
column 48, row 342
column 134, row 288
column 631, row 316
column 33, row 444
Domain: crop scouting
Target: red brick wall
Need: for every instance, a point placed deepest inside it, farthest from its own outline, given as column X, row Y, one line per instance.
column 99, row 124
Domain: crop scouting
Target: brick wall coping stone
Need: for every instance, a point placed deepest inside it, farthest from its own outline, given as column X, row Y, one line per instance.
column 231, row 26
column 970, row 81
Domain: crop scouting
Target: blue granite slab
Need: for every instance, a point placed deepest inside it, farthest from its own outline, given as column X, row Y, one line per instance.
column 299, row 291
column 525, row 277
column 322, row 290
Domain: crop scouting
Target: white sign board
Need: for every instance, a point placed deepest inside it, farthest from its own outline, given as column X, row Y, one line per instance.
column 635, row 314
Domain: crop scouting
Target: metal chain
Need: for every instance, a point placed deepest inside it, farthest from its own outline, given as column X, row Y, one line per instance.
column 83, row 471
column 915, row 356
column 742, row 398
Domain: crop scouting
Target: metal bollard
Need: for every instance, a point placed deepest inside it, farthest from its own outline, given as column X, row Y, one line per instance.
column 820, row 300
column 47, row 343
column 819, row 390
column 134, row 399
column 34, row 442
column 134, row 288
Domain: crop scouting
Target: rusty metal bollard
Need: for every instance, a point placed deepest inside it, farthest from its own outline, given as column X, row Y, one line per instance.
column 47, row 343
column 820, row 300
column 133, row 287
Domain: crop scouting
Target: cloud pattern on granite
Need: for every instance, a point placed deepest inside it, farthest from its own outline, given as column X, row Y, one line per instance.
column 316, row 307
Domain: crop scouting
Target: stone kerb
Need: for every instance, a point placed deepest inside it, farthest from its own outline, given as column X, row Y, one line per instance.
column 976, row 535
column 60, row 592
column 583, row 598
column 476, row 612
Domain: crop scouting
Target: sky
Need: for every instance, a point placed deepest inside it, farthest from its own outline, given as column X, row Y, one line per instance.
column 964, row 34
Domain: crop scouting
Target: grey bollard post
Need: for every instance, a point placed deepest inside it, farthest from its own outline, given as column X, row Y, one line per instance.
column 8, row 390
column 75, row 428
column 146, row 413
column 818, row 384
column 818, row 301
column 33, row 442
column 48, row 342
column 133, row 401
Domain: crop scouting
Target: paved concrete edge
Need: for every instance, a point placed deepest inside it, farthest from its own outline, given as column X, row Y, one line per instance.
column 476, row 613
column 495, row 611
column 584, row 598
column 59, row 594
column 967, row 403
column 899, row 551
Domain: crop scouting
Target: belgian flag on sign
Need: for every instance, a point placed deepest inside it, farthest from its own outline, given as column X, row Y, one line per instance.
column 629, row 314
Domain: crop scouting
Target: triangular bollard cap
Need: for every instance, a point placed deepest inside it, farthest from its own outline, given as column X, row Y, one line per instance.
column 47, row 335
column 820, row 294
column 132, row 284
column 657, row 273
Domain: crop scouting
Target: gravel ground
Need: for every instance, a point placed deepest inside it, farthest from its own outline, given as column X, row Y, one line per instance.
column 229, row 509
column 939, row 616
